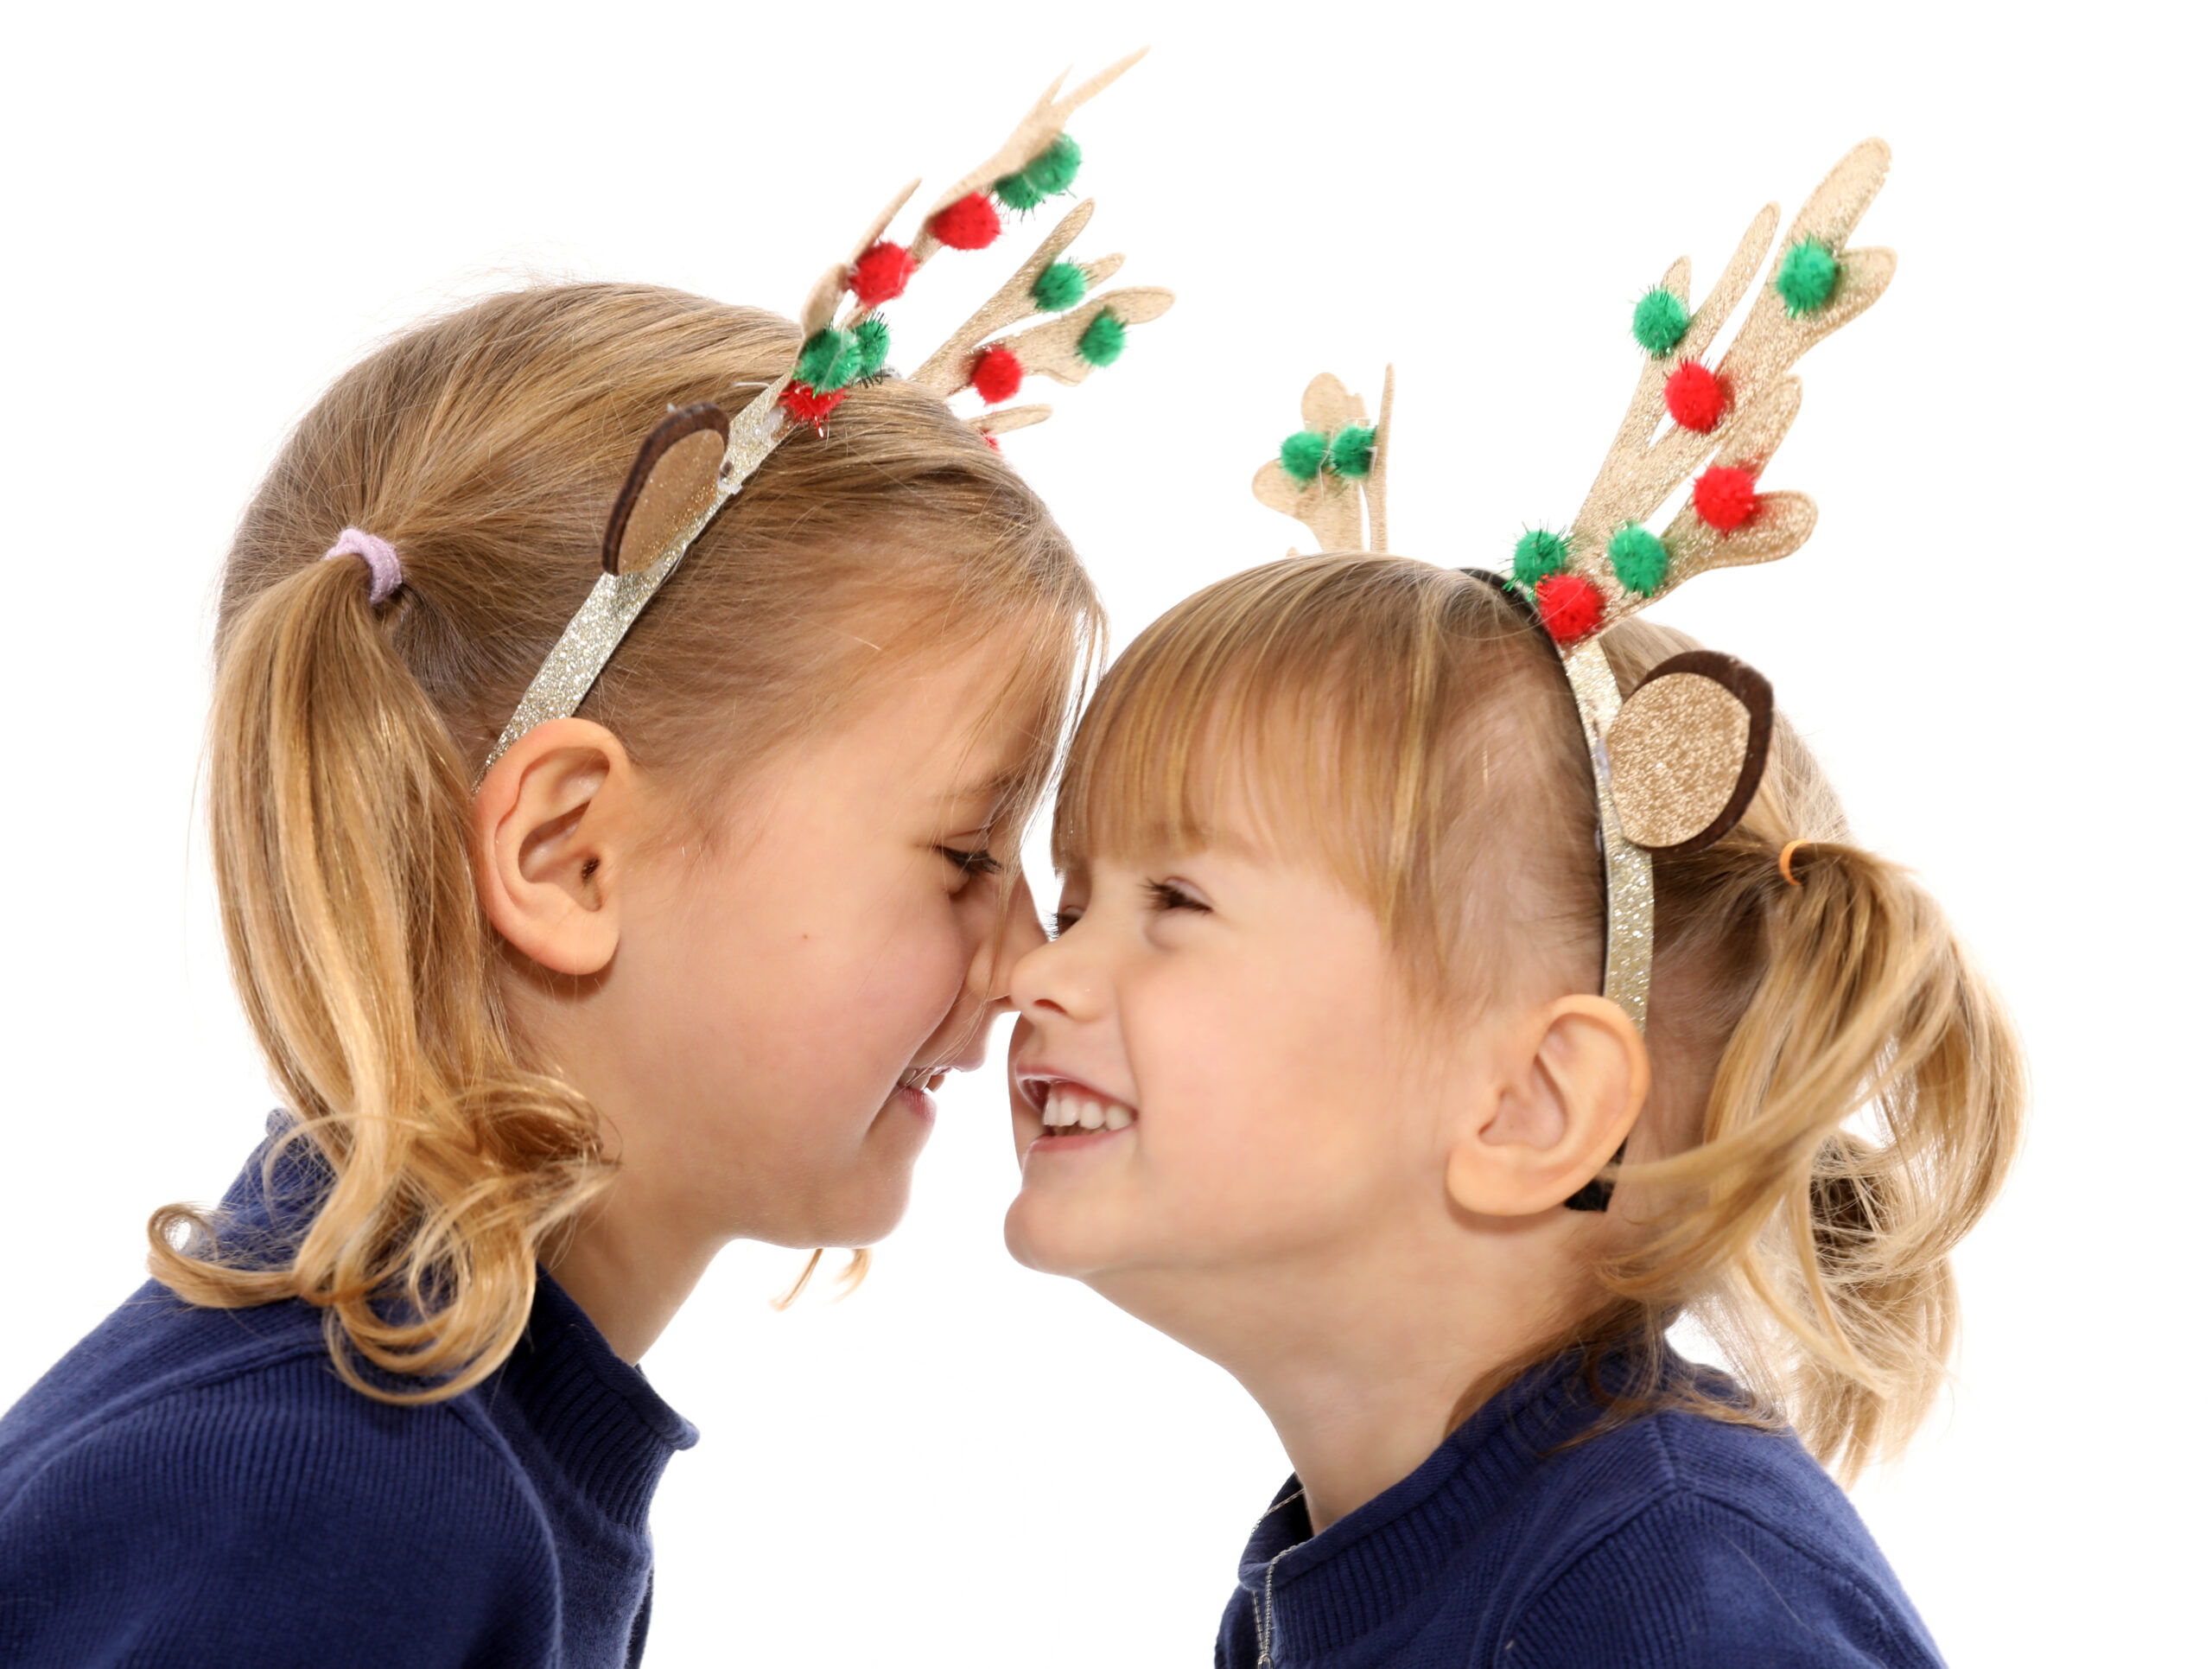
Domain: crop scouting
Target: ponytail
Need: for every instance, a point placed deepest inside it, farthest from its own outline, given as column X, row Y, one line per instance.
column 1868, row 1099
column 338, row 813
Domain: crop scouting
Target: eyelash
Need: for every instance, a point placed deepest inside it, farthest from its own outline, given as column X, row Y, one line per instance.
column 1167, row 895
column 1162, row 895
column 979, row 862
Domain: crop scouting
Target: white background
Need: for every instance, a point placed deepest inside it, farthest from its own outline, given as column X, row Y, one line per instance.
column 210, row 211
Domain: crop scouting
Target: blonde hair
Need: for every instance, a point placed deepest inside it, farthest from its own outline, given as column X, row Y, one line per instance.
column 1837, row 1092
column 487, row 447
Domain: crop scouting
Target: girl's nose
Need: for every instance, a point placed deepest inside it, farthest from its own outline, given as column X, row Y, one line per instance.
column 1052, row 977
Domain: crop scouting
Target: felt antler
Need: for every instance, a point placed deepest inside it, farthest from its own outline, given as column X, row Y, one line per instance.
column 698, row 458
column 1677, row 760
column 1322, row 474
column 1732, row 415
column 1089, row 333
column 1037, row 161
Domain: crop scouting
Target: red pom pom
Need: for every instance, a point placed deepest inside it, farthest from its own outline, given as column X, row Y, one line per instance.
column 1725, row 498
column 1570, row 605
column 997, row 375
column 968, row 223
column 881, row 275
column 807, row 406
column 1695, row 398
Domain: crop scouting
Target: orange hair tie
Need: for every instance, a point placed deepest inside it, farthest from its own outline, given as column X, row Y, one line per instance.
column 1786, row 852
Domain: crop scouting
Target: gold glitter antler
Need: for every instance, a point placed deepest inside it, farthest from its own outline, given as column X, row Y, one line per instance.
column 1047, row 120
column 1733, row 415
column 698, row 458
column 1052, row 349
column 1037, row 160
column 1322, row 474
column 821, row 304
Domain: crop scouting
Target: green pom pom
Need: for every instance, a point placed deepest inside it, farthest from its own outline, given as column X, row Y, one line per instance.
column 873, row 338
column 1639, row 559
column 1016, row 193
column 1059, row 287
column 830, row 361
column 1538, row 554
column 1806, row 279
column 1352, row 452
column 1053, row 169
column 1303, row 454
column 1102, row 344
column 1661, row 322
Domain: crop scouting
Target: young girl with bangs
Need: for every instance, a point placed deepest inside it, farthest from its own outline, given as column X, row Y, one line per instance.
column 1314, row 1070
column 682, row 969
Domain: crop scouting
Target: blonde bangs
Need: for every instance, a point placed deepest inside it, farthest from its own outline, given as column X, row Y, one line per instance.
column 1338, row 702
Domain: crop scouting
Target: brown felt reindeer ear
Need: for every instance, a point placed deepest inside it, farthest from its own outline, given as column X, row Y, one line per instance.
column 1687, row 751
column 671, row 487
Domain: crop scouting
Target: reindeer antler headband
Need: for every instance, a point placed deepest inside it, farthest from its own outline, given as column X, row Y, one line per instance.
column 695, row 460
column 1677, row 759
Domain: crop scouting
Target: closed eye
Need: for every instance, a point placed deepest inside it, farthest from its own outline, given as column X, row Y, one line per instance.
column 1169, row 895
column 977, row 861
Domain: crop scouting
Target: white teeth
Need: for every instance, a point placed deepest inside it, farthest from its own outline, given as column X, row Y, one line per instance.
column 1068, row 1109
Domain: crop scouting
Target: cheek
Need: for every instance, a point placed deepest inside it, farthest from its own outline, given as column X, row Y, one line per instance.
column 805, row 995
column 862, row 987
column 1266, row 1112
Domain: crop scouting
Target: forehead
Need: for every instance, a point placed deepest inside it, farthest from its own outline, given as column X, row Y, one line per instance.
column 1234, row 768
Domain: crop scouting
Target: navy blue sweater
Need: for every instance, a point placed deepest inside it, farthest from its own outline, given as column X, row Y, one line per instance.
column 197, row 1487
column 1672, row 1542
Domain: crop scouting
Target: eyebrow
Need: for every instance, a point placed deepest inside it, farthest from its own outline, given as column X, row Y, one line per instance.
column 997, row 785
column 994, row 790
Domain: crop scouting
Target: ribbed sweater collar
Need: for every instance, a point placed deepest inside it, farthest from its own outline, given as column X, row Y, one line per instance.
column 1330, row 1590
column 605, row 1429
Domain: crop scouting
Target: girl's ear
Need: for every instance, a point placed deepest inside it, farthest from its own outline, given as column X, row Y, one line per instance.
column 1568, row 1085
column 554, row 832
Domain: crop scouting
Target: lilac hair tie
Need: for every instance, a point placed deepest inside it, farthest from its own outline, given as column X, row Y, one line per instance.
column 382, row 560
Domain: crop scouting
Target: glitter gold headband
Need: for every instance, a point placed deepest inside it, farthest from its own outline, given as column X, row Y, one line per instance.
column 1677, row 759
column 697, row 459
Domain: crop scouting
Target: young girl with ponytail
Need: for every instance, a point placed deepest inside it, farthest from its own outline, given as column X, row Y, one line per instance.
column 682, row 968
column 1395, row 1053
column 1318, row 1009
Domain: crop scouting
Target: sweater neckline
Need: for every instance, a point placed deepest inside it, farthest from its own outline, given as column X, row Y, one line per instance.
column 1326, row 1591
column 600, row 1420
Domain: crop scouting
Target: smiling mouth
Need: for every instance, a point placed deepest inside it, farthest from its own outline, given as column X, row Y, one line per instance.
column 1072, row 1110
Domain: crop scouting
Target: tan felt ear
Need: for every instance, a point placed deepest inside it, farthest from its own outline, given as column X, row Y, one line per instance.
column 670, row 486
column 1686, row 750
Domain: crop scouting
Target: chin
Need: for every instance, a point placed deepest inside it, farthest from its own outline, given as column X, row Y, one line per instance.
column 869, row 1220
column 1041, row 1238
column 852, row 1212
